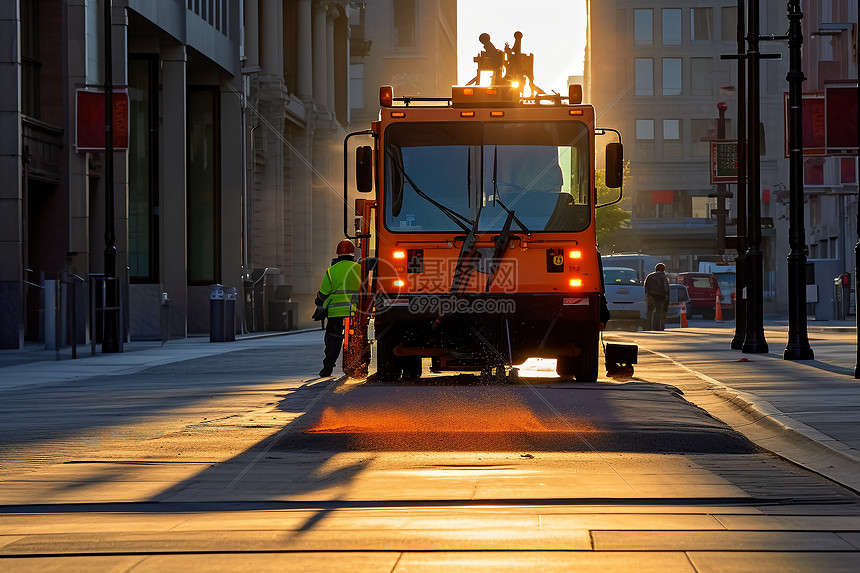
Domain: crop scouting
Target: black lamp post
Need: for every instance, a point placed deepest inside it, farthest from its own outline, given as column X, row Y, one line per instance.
column 798, row 341
column 741, row 200
column 857, row 245
column 110, row 340
column 754, row 342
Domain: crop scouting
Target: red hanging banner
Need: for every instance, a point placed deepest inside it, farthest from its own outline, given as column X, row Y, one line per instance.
column 90, row 120
column 841, row 110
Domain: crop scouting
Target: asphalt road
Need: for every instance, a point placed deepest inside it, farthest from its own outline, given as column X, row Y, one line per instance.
column 246, row 461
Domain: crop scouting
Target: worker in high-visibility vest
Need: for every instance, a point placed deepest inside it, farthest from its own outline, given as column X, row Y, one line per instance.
column 336, row 300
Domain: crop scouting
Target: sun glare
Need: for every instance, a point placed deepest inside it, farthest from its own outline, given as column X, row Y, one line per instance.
column 553, row 30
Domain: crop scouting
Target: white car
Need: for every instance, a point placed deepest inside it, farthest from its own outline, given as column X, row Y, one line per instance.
column 625, row 298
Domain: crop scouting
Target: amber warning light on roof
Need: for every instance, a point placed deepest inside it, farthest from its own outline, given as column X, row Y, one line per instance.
column 484, row 95
column 386, row 96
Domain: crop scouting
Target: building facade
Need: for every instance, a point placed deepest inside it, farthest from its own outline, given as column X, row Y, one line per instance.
column 312, row 72
column 237, row 109
column 233, row 170
column 172, row 189
column 830, row 181
column 671, row 50
column 295, row 72
column 654, row 71
column 410, row 45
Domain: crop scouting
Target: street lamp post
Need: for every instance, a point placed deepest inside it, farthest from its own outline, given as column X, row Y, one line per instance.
column 754, row 342
column 741, row 199
column 857, row 245
column 110, row 335
column 797, row 347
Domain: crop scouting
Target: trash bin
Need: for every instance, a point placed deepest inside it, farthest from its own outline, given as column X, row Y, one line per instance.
column 216, row 313
column 230, row 314
column 842, row 295
column 165, row 318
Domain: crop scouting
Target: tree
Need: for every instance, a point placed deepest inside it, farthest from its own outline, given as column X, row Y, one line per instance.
column 610, row 217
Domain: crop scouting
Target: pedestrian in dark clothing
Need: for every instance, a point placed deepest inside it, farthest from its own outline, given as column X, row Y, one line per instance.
column 657, row 297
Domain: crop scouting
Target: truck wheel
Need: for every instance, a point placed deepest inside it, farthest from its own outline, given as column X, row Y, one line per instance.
column 388, row 365
column 565, row 366
column 411, row 367
column 585, row 366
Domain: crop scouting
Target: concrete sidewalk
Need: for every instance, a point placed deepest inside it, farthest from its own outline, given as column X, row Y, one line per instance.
column 805, row 411
column 34, row 365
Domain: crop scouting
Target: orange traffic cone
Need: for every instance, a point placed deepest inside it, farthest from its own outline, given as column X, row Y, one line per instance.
column 718, row 310
column 684, row 316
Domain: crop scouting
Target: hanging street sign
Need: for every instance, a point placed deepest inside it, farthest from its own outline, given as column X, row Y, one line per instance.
column 724, row 161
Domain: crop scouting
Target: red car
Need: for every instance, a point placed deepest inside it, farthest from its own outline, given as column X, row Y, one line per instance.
column 703, row 290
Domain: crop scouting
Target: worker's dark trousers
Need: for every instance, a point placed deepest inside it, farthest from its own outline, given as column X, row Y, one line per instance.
column 333, row 341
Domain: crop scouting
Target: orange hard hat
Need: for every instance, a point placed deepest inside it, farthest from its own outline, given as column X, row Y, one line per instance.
column 345, row 247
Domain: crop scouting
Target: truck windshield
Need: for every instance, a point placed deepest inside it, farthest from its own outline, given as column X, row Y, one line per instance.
column 437, row 174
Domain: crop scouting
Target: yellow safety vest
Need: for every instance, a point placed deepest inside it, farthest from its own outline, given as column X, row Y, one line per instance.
column 341, row 283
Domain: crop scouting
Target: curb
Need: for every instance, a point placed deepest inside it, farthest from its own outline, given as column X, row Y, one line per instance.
column 776, row 432
column 794, row 440
column 826, row 329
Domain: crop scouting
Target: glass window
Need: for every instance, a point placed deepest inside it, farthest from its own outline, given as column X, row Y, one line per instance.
column 539, row 172
column 644, row 77
column 644, row 129
column 702, row 76
column 644, row 26
column 729, row 23
column 701, row 132
column 664, row 210
column 671, row 129
column 30, row 60
column 356, row 86
column 143, row 170
column 701, row 207
column 701, row 24
column 619, row 276
column 403, row 31
column 671, row 76
column 203, row 196
column 671, row 26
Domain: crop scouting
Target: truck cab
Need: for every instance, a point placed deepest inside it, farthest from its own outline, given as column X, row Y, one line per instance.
column 479, row 249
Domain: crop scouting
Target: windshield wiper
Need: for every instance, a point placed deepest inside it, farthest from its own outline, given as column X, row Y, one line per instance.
column 496, row 198
column 465, row 264
column 501, row 244
column 461, row 221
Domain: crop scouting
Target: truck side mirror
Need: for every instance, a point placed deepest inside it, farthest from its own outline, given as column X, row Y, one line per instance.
column 614, row 165
column 364, row 169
